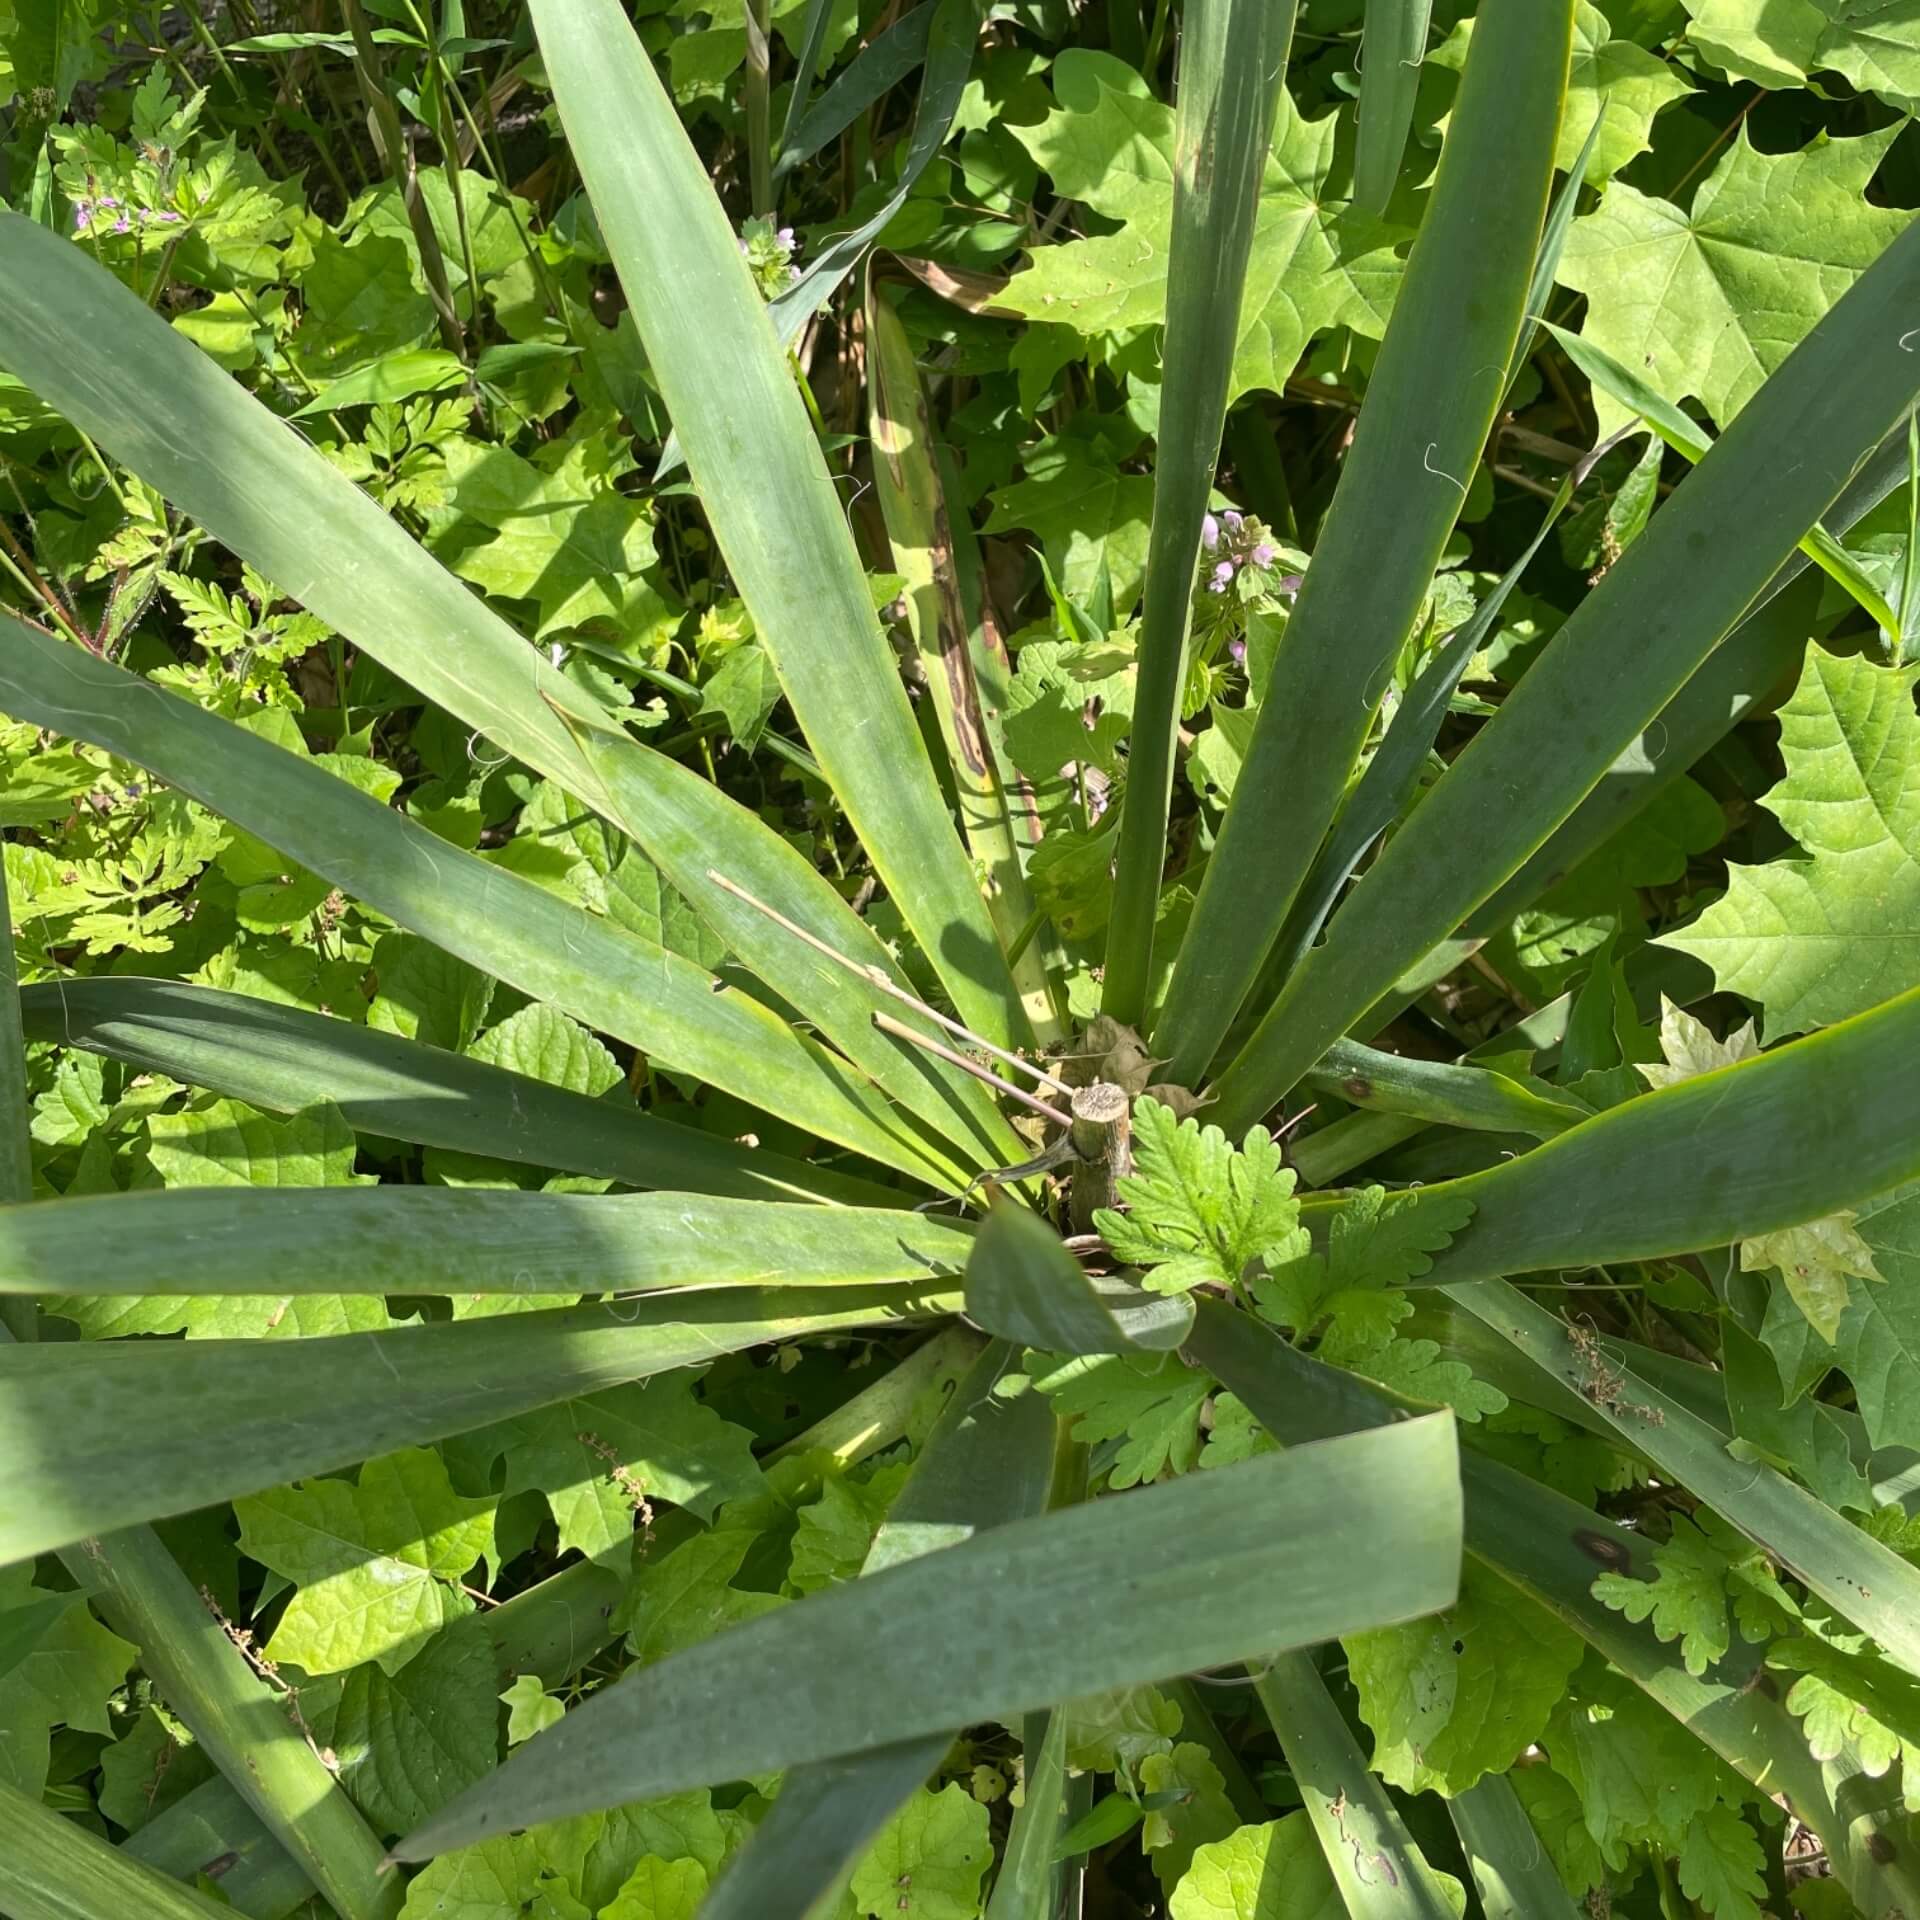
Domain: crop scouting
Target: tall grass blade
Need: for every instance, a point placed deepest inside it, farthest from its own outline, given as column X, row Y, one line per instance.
column 1233, row 54
column 907, row 481
column 1392, row 47
column 145, row 392
column 1796, row 1133
column 507, row 926
column 1737, row 677
column 213, row 1828
column 1511, row 1872
column 1380, row 1871
column 1625, row 652
column 100, row 1434
column 988, row 1460
column 1024, row 1285
column 281, row 1059
column 1866, row 1582
column 1553, row 1549
column 882, row 64
column 1423, row 428
column 201, row 1674
column 203, row 1241
column 1214, row 1567
column 751, row 450
column 52, row 1868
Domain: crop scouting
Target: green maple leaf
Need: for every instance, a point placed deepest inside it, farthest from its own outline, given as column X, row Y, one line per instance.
column 688, row 1595
column 1314, row 264
column 1199, row 1210
column 1778, row 43
column 1463, row 1693
column 376, row 1564
column 63, row 1678
column 1722, row 1866
column 1093, row 520
column 1151, row 1402
column 1056, row 715
column 1816, row 1261
column 1612, row 80
column 1271, row 1872
column 597, row 1459
column 1708, row 303
column 1878, row 1339
column 564, row 539
column 1837, row 930
column 530, row 1708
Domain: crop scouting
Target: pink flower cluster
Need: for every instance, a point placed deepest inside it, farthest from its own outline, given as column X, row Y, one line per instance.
column 1240, row 542
column 86, row 212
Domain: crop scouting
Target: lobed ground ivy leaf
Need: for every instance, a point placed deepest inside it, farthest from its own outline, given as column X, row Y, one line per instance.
column 1465, row 1692
column 659, row 1890
column 1173, row 1833
column 1199, row 1210
column 376, row 1565
column 927, row 1862
column 1709, row 302
column 1270, row 1872
column 1818, row 938
column 1315, row 262
column 530, row 1708
column 1117, row 1732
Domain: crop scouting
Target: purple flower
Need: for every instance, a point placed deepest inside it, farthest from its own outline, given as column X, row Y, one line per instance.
column 82, row 212
column 107, row 200
column 1216, row 586
column 1209, row 532
column 122, row 225
column 1223, row 572
column 785, row 237
column 1238, row 650
column 1231, row 521
column 1263, row 555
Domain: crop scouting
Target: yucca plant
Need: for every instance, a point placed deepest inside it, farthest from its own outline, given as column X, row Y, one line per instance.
column 1149, row 1259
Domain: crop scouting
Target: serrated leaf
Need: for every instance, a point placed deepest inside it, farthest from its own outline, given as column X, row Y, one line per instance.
column 1837, row 930
column 424, row 993
column 1877, row 47
column 1116, row 1732
column 1200, row 1211
column 1152, row 1402
column 1464, row 1693
column 408, row 1741
column 376, row 1565
column 65, row 1680
column 1816, row 1261
column 545, row 1044
column 928, row 1860
column 1202, row 1813
column 1709, row 302
column 1722, row 1867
